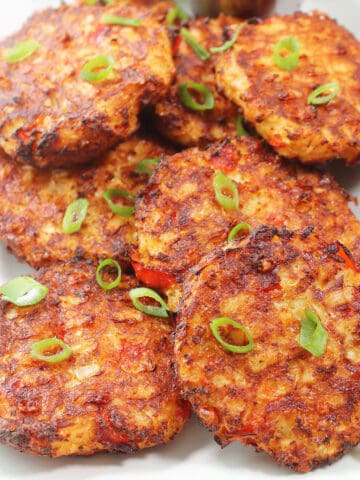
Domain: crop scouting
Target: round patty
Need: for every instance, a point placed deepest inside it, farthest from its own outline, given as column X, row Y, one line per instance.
column 301, row 409
column 117, row 391
column 274, row 101
column 180, row 123
column 49, row 115
column 33, row 203
column 178, row 218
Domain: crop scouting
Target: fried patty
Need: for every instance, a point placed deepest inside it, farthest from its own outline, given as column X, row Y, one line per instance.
column 274, row 101
column 117, row 392
column 178, row 218
column 33, row 204
column 49, row 115
column 301, row 409
column 182, row 124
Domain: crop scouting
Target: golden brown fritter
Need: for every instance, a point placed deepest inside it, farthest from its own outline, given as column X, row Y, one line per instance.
column 275, row 100
column 49, row 116
column 301, row 409
column 176, row 121
column 33, row 203
column 117, row 392
column 178, row 218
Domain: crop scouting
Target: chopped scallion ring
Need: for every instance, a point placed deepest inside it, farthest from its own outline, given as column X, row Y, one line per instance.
column 313, row 336
column 130, row 22
column 42, row 350
column 106, row 263
column 75, row 215
column 142, row 292
column 189, row 101
column 146, row 166
column 244, row 228
column 240, row 130
column 317, row 97
column 94, row 2
column 227, row 45
column 174, row 14
column 21, row 51
column 286, row 53
column 118, row 209
column 97, row 69
column 220, row 183
column 200, row 51
column 217, row 323
column 23, row 291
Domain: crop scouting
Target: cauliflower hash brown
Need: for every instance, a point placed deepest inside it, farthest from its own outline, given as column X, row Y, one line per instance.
column 33, row 203
column 178, row 218
column 49, row 115
column 301, row 409
column 172, row 118
column 117, row 391
column 274, row 101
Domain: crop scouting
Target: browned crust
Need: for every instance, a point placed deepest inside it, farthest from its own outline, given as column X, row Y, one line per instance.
column 33, row 203
column 117, row 392
column 275, row 101
column 179, row 123
column 300, row 409
column 48, row 115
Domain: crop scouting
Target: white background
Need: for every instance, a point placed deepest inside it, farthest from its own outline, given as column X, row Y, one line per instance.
column 193, row 454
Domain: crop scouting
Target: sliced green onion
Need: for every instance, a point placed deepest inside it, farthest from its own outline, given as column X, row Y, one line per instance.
column 244, row 228
column 317, row 96
column 189, row 101
column 98, row 68
column 142, row 292
column 217, row 323
column 131, row 22
column 291, row 59
column 106, row 263
column 225, row 46
column 200, row 51
column 174, row 14
column 313, row 336
column 220, row 183
column 146, row 166
column 118, row 209
column 41, row 350
column 23, row 291
column 93, row 2
column 21, row 51
column 240, row 130
column 75, row 215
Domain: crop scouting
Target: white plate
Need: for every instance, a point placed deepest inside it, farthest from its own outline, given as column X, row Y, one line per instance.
column 193, row 454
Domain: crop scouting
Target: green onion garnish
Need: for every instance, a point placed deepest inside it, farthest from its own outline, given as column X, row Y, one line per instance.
column 21, row 51
column 142, row 292
column 217, row 323
column 98, row 68
column 106, row 263
column 313, row 336
column 174, row 14
column 118, row 209
column 225, row 46
column 130, row 22
column 244, row 228
column 93, row 2
column 75, row 215
column 42, row 350
column 223, row 183
column 240, row 130
column 146, row 166
column 200, row 51
column 286, row 53
column 317, row 97
column 23, row 291
column 188, row 100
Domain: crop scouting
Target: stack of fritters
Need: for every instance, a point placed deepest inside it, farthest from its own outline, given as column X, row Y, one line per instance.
column 65, row 137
